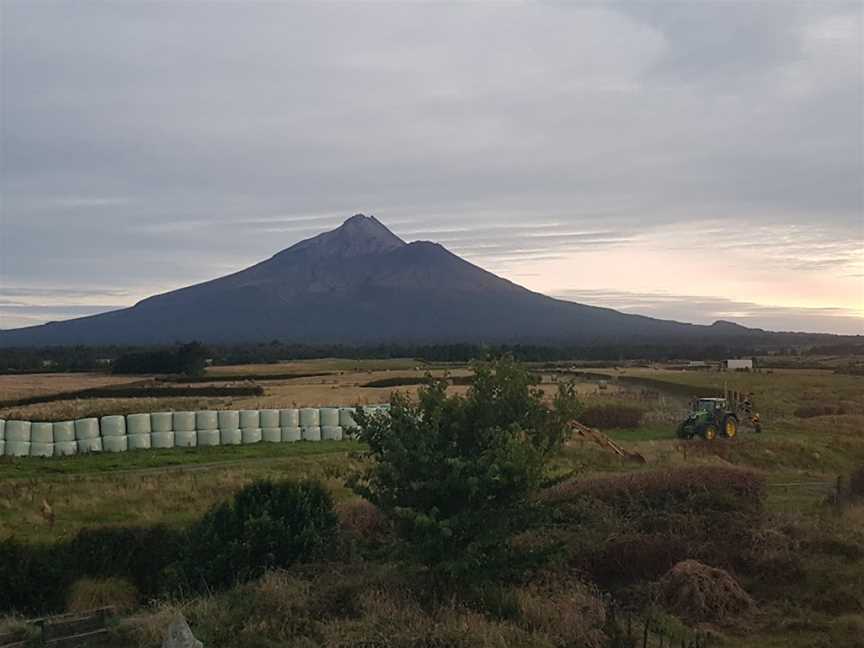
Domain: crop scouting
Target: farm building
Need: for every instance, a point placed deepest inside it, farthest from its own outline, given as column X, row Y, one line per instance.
column 738, row 364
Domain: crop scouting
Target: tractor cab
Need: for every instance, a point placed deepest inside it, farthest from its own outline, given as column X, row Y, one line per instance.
column 710, row 405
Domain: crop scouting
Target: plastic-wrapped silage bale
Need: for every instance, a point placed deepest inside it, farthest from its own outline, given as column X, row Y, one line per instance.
column 310, row 422
column 329, row 421
column 17, row 438
column 207, row 424
column 250, row 426
column 64, row 439
column 41, row 439
column 113, row 430
column 162, row 430
column 270, row 430
column 87, row 435
column 346, row 419
column 289, row 422
column 331, row 432
column 184, row 430
column 139, row 431
column 229, row 427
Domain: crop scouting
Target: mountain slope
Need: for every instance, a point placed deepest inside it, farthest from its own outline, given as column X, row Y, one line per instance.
column 360, row 283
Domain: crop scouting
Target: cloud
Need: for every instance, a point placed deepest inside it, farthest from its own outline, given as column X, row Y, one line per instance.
column 150, row 147
column 700, row 309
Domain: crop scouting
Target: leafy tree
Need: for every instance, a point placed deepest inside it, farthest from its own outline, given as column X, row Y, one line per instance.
column 456, row 473
column 268, row 525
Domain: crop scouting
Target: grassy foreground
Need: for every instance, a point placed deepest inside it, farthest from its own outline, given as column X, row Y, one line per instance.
column 797, row 553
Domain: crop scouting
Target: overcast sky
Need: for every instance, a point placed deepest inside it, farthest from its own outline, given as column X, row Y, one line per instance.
column 694, row 160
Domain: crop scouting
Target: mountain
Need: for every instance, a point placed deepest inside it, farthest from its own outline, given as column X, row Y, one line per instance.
column 360, row 283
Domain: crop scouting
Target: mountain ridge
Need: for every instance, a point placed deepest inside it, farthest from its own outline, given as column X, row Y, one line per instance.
column 361, row 283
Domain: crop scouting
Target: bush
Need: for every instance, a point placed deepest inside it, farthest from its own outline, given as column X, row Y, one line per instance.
column 35, row 578
column 267, row 525
column 91, row 593
column 141, row 555
column 455, row 473
column 612, row 415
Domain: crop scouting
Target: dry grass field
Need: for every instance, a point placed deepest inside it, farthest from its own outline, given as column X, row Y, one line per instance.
column 17, row 387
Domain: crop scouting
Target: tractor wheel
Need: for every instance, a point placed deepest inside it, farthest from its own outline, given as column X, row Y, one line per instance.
column 683, row 432
column 730, row 427
column 710, row 432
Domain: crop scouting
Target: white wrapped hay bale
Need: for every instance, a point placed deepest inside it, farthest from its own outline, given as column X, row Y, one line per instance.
column 291, row 434
column 331, row 432
column 328, row 416
column 208, row 437
column 139, row 441
column 138, row 424
column 184, row 422
column 251, row 435
column 346, row 419
column 206, row 420
column 250, row 419
column 87, row 435
column 230, row 437
column 41, row 439
column 42, row 433
column 86, row 429
column 65, row 448
column 64, row 432
column 112, row 426
column 162, row 439
column 309, row 417
column 269, row 418
column 185, row 438
column 17, row 442
column 162, row 422
column 229, row 420
column 289, row 418
column 271, row 434
column 41, row 449
column 115, row 443
column 312, row 433
column 18, row 431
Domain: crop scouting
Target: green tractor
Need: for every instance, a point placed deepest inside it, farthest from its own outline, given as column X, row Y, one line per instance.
column 708, row 418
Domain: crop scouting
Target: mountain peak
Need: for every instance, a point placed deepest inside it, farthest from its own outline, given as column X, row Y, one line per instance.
column 359, row 235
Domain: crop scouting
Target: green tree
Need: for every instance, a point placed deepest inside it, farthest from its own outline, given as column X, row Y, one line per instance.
column 456, row 473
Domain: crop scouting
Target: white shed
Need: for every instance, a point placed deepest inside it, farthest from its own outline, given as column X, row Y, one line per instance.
column 734, row 364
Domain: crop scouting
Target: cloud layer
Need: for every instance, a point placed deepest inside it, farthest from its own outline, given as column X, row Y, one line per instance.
column 688, row 149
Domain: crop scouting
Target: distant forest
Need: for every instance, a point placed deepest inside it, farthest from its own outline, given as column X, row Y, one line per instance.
column 189, row 358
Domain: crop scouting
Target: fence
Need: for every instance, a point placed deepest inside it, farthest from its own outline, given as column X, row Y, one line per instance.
column 176, row 430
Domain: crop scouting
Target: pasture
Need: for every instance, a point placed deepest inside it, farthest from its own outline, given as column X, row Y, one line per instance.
column 801, row 454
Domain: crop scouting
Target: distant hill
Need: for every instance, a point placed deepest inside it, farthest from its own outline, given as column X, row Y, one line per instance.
column 362, row 284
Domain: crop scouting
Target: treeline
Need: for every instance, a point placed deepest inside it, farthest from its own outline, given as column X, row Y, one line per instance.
column 190, row 358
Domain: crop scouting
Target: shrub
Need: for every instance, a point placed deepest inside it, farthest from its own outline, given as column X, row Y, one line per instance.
column 455, row 473
column 31, row 579
column 91, row 593
column 612, row 415
column 267, row 525
column 141, row 555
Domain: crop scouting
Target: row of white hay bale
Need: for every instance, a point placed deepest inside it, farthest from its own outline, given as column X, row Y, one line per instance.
column 176, row 430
